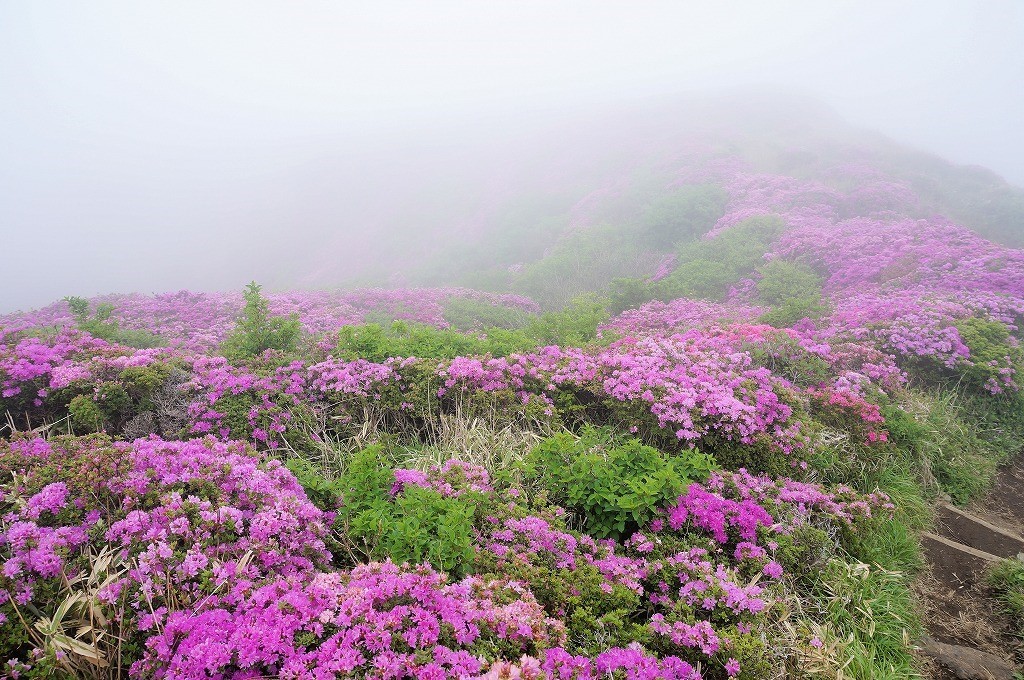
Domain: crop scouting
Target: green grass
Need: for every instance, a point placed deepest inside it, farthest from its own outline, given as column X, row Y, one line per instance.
column 962, row 439
column 942, row 443
column 1006, row 579
column 891, row 544
column 872, row 612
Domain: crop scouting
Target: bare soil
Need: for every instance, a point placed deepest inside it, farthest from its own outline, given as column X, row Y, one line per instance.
column 957, row 607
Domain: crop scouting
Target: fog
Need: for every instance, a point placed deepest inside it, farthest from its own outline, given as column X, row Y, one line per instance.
column 159, row 146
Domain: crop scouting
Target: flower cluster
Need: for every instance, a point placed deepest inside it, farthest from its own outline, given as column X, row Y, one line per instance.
column 452, row 479
column 378, row 620
column 189, row 520
column 201, row 321
column 631, row 661
column 692, row 385
column 893, row 279
column 33, row 367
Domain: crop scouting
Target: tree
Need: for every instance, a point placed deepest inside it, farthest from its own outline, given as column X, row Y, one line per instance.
column 257, row 331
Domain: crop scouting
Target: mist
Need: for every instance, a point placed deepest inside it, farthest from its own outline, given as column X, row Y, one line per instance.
column 161, row 146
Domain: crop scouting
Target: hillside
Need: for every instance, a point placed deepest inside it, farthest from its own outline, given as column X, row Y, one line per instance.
column 517, row 190
column 660, row 398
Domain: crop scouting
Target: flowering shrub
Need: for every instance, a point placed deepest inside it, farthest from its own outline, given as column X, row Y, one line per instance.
column 187, row 520
column 632, row 661
column 209, row 541
column 730, row 388
column 682, row 384
column 849, row 412
column 664, row 318
column 451, row 479
column 379, row 620
column 201, row 321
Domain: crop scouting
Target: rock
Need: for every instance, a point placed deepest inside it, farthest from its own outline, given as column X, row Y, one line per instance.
column 967, row 663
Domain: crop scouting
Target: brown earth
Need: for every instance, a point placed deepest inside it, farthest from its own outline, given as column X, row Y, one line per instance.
column 962, row 619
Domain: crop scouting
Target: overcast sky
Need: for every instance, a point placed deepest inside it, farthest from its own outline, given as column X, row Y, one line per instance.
column 140, row 142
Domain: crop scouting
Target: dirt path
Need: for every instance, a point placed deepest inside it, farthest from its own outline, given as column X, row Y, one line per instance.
column 958, row 609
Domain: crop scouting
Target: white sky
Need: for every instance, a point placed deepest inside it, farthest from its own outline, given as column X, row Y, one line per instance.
column 131, row 130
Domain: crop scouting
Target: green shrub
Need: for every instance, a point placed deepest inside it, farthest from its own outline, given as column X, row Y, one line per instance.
column 424, row 526
column 991, row 347
column 324, row 493
column 86, row 415
column 792, row 289
column 616, row 486
column 142, row 382
column 365, row 341
column 575, row 325
column 783, row 280
column 789, row 312
column 109, row 404
column 709, row 267
column 415, row 525
column 760, row 456
column 685, row 214
column 626, row 294
column 699, row 278
column 583, row 261
column 257, row 331
column 101, row 326
column 409, row 339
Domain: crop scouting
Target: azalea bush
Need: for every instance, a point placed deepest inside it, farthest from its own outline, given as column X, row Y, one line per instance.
column 170, row 546
column 124, row 536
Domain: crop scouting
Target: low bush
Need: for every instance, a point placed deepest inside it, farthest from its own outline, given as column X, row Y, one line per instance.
column 101, row 325
column 575, row 325
column 258, row 331
column 377, row 343
column 994, row 353
column 466, row 314
column 614, row 485
column 708, row 267
column 580, row 262
column 385, row 519
column 792, row 289
column 107, row 406
column 685, row 214
column 624, row 293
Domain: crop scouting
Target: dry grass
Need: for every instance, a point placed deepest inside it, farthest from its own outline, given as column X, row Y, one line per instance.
column 486, row 442
column 82, row 632
column 10, row 425
column 961, row 617
column 804, row 647
column 494, row 439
